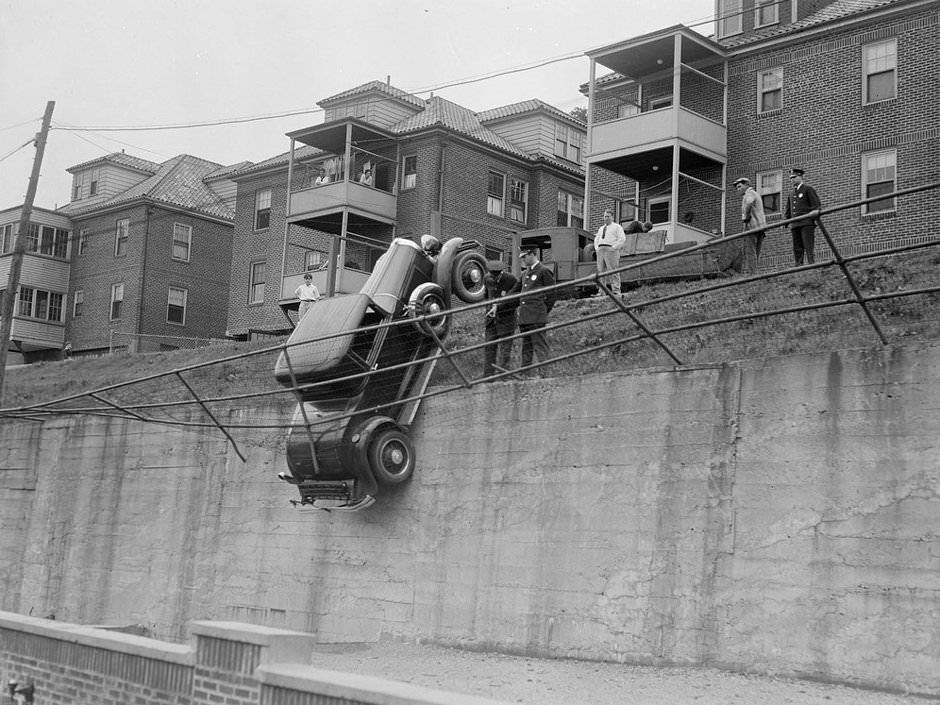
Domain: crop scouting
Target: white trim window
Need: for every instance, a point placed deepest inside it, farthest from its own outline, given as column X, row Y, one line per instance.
column 314, row 259
column 117, row 298
column 122, row 233
column 658, row 210
column 663, row 101
column 78, row 303
column 770, row 190
column 729, row 17
column 78, row 186
column 766, row 12
column 879, row 176
column 7, row 237
column 570, row 210
column 409, row 171
column 263, row 209
column 518, row 200
column 567, row 143
column 176, row 306
column 495, row 193
column 82, row 241
column 770, row 90
column 256, row 283
column 880, row 71
column 39, row 303
column 93, row 182
column 182, row 241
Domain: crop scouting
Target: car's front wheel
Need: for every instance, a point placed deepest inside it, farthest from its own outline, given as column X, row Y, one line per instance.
column 468, row 273
column 391, row 456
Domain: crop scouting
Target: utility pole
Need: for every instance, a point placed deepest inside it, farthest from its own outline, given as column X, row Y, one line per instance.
column 16, row 262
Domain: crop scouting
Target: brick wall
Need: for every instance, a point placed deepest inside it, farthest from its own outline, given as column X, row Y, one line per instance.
column 227, row 664
column 144, row 309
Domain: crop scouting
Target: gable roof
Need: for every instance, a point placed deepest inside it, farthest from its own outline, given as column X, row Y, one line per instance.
column 120, row 159
column 379, row 86
column 178, row 182
column 533, row 105
column 833, row 12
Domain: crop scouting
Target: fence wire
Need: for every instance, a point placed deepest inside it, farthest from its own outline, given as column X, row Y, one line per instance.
column 838, row 302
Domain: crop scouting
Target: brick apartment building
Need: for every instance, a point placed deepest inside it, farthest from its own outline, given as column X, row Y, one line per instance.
column 383, row 164
column 848, row 90
column 150, row 252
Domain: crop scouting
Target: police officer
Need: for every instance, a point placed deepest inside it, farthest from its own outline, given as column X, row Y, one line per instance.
column 500, row 318
column 535, row 307
column 802, row 200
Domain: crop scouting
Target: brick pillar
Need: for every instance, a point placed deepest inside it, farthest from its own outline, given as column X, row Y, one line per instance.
column 227, row 654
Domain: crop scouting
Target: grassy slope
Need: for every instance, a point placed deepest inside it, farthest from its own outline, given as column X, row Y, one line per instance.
column 912, row 318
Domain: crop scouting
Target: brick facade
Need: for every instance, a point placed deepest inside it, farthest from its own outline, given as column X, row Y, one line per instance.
column 148, row 269
column 825, row 128
column 449, row 199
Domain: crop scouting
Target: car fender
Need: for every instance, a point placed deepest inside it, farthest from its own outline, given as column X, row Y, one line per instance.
column 443, row 268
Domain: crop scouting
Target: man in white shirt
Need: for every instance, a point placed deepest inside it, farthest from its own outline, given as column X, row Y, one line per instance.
column 307, row 294
column 608, row 242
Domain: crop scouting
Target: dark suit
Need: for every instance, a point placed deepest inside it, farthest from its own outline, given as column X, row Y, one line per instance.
column 502, row 324
column 534, row 310
column 801, row 201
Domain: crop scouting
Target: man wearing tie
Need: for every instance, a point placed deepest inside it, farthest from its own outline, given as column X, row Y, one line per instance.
column 608, row 242
column 802, row 201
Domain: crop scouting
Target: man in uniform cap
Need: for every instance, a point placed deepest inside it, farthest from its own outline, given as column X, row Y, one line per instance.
column 500, row 320
column 535, row 306
column 802, row 201
column 752, row 216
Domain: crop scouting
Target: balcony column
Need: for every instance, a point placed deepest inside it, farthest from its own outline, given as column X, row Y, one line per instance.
column 676, row 102
column 587, row 152
column 287, row 209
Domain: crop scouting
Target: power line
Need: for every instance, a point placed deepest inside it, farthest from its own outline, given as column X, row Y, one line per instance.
column 10, row 154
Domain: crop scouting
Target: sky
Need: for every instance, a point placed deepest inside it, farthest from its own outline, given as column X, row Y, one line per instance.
column 161, row 63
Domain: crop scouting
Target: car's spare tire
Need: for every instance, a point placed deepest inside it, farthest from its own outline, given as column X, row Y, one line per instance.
column 428, row 300
column 467, row 278
column 391, row 456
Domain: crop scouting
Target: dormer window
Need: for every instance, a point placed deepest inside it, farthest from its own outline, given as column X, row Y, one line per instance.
column 93, row 182
column 78, row 186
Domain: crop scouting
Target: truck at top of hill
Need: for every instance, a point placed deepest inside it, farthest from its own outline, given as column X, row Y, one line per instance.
column 570, row 254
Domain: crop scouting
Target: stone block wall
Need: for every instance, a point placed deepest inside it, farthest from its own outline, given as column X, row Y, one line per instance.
column 778, row 516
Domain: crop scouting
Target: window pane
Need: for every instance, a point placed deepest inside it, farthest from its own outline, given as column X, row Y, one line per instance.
column 55, row 307
column 182, row 234
column 176, row 306
column 886, row 204
column 25, row 301
column 881, row 86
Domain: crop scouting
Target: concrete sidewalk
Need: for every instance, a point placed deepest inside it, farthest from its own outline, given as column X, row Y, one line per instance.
column 533, row 681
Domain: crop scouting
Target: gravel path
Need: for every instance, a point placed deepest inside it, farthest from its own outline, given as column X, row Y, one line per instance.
column 534, row 681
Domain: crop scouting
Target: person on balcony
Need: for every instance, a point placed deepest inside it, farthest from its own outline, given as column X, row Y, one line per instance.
column 322, row 178
column 608, row 242
column 802, row 201
column 308, row 294
column 752, row 216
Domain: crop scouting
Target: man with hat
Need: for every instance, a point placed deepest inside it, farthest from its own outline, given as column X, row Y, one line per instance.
column 752, row 215
column 802, row 201
column 307, row 294
column 534, row 306
column 500, row 320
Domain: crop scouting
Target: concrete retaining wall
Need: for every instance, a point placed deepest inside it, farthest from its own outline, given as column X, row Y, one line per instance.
column 776, row 516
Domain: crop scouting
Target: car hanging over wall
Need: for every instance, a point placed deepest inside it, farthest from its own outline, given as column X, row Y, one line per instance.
column 359, row 364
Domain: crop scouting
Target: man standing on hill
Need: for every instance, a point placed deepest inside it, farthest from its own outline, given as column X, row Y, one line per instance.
column 500, row 318
column 802, row 200
column 752, row 215
column 535, row 307
column 608, row 242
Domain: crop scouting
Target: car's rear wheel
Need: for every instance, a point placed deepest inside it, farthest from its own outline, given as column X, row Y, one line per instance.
column 391, row 456
column 467, row 281
column 428, row 301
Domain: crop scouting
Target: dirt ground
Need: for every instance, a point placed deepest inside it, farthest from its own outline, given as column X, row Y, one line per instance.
column 534, row 681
